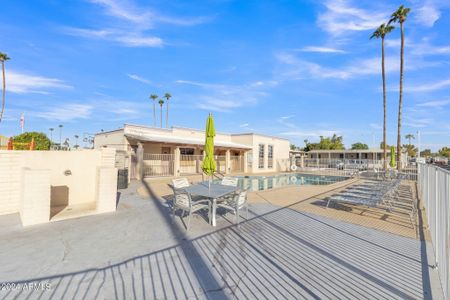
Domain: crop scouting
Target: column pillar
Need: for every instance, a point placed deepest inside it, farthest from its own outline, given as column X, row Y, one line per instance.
column 140, row 161
column 227, row 162
column 176, row 161
column 245, row 159
column 302, row 161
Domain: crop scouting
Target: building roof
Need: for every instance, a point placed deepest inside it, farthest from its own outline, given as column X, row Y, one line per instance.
column 374, row 150
column 183, row 140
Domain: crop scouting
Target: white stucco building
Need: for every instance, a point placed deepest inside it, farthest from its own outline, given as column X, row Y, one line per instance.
column 150, row 151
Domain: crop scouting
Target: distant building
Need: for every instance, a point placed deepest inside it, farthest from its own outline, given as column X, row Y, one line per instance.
column 179, row 151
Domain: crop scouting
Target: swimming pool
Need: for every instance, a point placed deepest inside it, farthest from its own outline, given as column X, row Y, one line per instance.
column 261, row 183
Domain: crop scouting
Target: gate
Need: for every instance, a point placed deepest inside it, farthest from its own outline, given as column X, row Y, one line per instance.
column 158, row 165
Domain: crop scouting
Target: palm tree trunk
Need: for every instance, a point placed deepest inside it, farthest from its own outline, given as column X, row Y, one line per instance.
column 154, row 113
column 167, row 114
column 384, row 105
column 161, row 116
column 3, row 91
column 400, row 101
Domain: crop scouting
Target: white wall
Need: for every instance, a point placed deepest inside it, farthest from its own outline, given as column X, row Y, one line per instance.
column 113, row 139
column 81, row 184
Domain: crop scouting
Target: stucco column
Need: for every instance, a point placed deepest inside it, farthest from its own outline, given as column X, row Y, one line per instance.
column 245, row 161
column 302, row 161
column 227, row 162
column 35, row 197
column 176, row 161
column 140, row 162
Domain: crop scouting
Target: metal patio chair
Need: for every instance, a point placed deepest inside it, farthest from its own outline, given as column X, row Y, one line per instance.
column 183, row 201
column 236, row 203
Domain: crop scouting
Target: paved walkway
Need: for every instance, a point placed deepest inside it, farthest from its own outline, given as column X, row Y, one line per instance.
column 138, row 253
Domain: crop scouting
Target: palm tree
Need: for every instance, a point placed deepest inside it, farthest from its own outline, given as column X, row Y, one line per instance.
column 409, row 137
column 399, row 16
column 60, row 135
column 154, row 97
column 76, row 141
column 161, row 103
column 3, row 57
column 51, row 134
column 381, row 33
column 167, row 96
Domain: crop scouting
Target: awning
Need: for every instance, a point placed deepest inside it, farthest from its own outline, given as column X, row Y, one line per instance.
column 183, row 141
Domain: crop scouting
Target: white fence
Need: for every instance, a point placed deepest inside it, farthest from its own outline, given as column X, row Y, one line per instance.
column 158, row 165
column 434, row 189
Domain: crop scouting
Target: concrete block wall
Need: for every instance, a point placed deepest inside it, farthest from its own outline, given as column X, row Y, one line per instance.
column 35, row 197
column 10, row 175
column 24, row 174
column 106, row 189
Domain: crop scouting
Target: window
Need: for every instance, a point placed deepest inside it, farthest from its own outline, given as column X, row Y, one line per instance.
column 261, row 156
column 187, row 151
column 270, row 156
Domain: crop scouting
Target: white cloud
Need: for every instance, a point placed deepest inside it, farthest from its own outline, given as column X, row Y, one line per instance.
column 126, row 38
column 375, row 126
column 66, row 113
column 139, row 78
column 341, row 17
column 318, row 49
column 434, row 104
column 225, row 97
column 21, row 83
column 428, row 87
column 427, row 14
column 298, row 69
column 131, row 24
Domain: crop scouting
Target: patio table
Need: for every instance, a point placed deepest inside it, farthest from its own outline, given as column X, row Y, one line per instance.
column 212, row 192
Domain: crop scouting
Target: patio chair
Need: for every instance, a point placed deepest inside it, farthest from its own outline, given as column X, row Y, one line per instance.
column 230, row 181
column 235, row 203
column 183, row 201
column 180, row 183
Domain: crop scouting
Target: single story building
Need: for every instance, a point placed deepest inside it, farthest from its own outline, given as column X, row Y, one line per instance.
column 149, row 151
column 356, row 154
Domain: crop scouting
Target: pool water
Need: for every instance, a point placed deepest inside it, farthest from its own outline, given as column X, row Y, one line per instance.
column 261, row 183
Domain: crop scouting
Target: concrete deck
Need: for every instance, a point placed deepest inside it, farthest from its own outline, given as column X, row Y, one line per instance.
column 139, row 252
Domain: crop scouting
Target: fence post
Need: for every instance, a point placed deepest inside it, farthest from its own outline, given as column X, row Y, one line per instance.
column 227, row 161
column 140, row 162
column 176, row 161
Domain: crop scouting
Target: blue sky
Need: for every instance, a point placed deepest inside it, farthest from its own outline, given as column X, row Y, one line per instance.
column 296, row 69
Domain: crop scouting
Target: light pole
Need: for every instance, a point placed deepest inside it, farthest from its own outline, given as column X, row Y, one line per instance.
column 60, row 135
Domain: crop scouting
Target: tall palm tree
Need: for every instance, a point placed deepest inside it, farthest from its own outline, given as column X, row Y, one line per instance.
column 60, row 135
column 161, row 103
column 167, row 96
column 154, row 97
column 381, row 32
column 399, row 16
column 3, row 57
column 51, row 134
column 409, row 137
column 76, row 141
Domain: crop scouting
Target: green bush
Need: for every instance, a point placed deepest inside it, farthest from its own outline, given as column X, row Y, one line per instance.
column 41, row 140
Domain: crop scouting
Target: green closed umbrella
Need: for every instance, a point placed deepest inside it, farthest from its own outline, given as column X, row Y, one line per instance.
column 392, row 162
column 209, row 164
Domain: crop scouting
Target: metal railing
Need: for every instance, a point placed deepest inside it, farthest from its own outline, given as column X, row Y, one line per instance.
column 434, row 190
column 348, row 167
column 236, row 164
column 158, row 165
column 220, row 162
column 191, row 164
